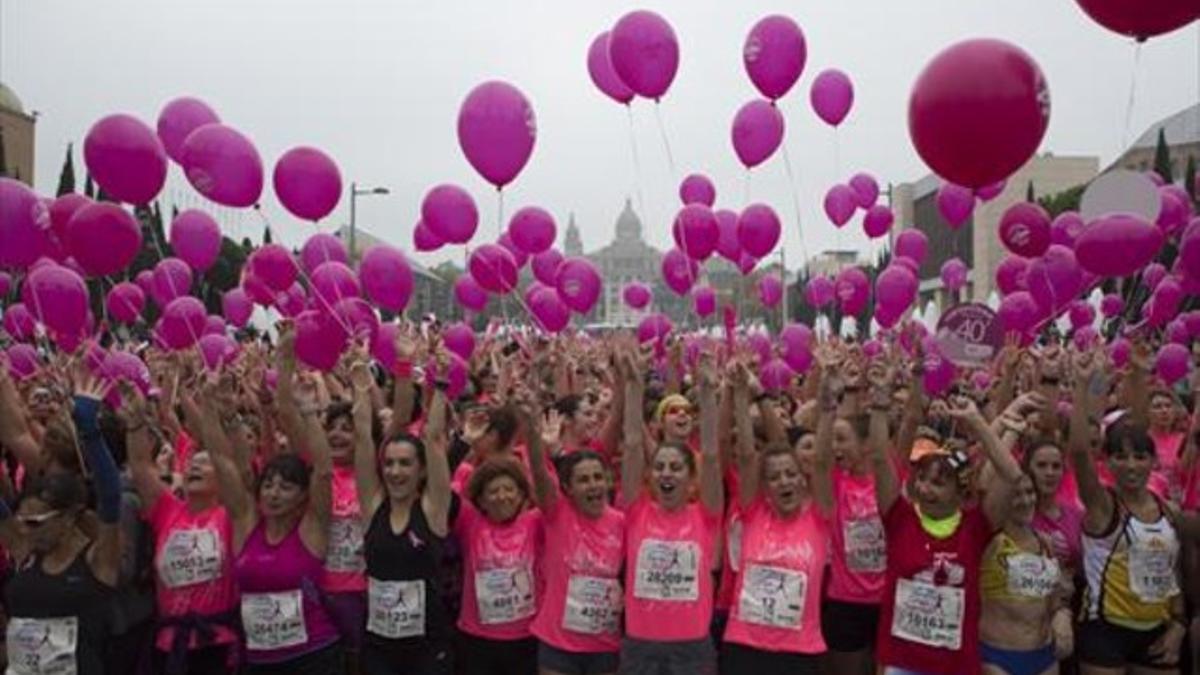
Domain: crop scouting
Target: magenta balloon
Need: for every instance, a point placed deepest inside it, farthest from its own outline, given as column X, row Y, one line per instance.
column 223, row 165
column 747, row 263
column 1025, row 229
column 383, row 345
column 1018, row 312
column 853, row 290
column 866, row 190
column 387, row 277
column 424, row 240
column 728, row 245
column 320, row 339
column 774, row 55
column 217, row 351
column 532, row 230
column 125, row 302
column 1189, row 249
column 579, row 284
column 496, row 131
column 61, row 210
column 494, row 268
column 1065, row 228
column 19, row 322
column 955, row 204
column 704, row 301
column 1119, row 351
column 182, row 322
column 331, row 283
column 179, row 118
column 549, row 310
column 24, row 223
column 1165, row 301
column 796, row 337
column 1153, row 275
column 172, row 279
column 908, row 263
column 840, row 204
column 679, row 271
column 469, row 294
column 103, row 238
column 1173, row 214
column 637, row 295
column 255, row 289
column 320, row 248
column 832, row 96
column 761, row 345
column 1143, row 19
column 274, row 265
column 770, row 290
column 196, row 239
column 1172, row 363
column 975, row 135
column 292, row 302
column 990, row 191
column 122, row 366
column 1011, row 274
column 5, row 284
column 895, row 290
column 23, row 361
column 1192, row 321
column 776, row 375
column 696, row 231
column 1054, row 279
column 696, row 188
column 954, row 274
column 459, row 339
column 307, row 182
column 758, row 230
column 125, row 158
column 878, row 221
column 214, row 325
column 600, row 69
column 644, row 53
column 912, row 243
column 654, row 327
column 799, row 360
column 545, row 266
column 1086, row 338
column 1112, row 305
column 356, row 316
column 1182, row 195
column 1177, row 332
column 449, row 212
column 757, row 132
column 1118, row 245
column 819, row 292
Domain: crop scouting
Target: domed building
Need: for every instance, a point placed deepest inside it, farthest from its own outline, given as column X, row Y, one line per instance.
column 16, row 137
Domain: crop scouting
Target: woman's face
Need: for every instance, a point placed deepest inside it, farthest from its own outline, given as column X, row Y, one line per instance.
column 677, row 421
column 806, row 453
column 42, row 404
column 587, row 420
column 588, row 487
column 501, row 499
column 279, row 497
column 847, row 446
column 1024, row 501
column 1131, row 468
column 936, row 489
column 401, row 470
column 1046, row 465
column 339, row 432
column 42, row 526
column 670, row 477
column 785, row 483
column 1162, row 412
column 201, row 477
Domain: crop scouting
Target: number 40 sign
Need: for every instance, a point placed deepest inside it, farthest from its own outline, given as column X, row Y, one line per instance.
column 970, row 335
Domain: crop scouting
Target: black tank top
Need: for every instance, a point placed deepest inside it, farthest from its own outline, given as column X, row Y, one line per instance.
column 415, row 554
column 49, row 611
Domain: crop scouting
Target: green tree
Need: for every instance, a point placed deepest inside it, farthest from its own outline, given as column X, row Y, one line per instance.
column 1189, row 179
column 3, row 159
column 89, row 187
column 66, row 178
column 1029, row 194
column 1162, row 158
column 266, row 235
column 1067, row 200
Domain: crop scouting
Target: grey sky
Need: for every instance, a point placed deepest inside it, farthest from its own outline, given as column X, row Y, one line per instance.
column 378, row 84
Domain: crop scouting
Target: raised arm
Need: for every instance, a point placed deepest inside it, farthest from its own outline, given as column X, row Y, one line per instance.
column 105, row 556
column 403, row 393
column 828, row 393
column 633, row 455
column 712, row 494
column 238, row 501
column 15, row 433
column 314, row 528
column 1097, row 501
column 747, row 454
column 366, row 476
column 436, row 496
column 541, row 435
column 1007, row 471
column 289, row 411
column 887, row 484
column 139, row 444
column 1136, row 392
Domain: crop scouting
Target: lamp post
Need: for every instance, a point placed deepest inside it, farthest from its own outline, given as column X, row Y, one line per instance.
column 355, row 192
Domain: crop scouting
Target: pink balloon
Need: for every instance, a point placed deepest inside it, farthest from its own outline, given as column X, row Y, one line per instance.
column 180, row 117
column 356, row 316
column 747, row 263
column 895, row 290
column 644, row 53
column 496, row 131
column 1177, row 332
column 1118, row 245
column 196, row 239
column 1112, row 305
column 331, row 283
column 223, row 165
column 912, row 243
column 23, row 361
column 125, row 302
column 182, row 322
column 797, row 341
column 449, row 212
column 469, row 294
column 697, row 189
column 424, row 240
column 840, row 204
column 519, row 257
column 637, row 295
column 274, row 265
column 866, row 190
column 292, row 302
column 103, row 238
column 320, row 248
column 545, row 266
column 758, row 230
column 878, row 221
column 832, row 96
column 728, row 245
column 1189, row 249
column 579, row 284
column 320, row 339
column 654, row 327
column 549, row 310
column 989, row 192
column 119, row 366
column 19, row 322
column 5, row 284
column 386, row 277
column 24, row 225
column 1018, row 313
column 494, row 268
column 1025, row 229
column 1143, row 19
column 1119, row 351
column 757, row 132
column 679, row 271
column 255, row 289
column 383, row 345
column 217, row 351
column 971, row 134
column 1065, row 228
column 1054, row 279
column 908, row 263
column 532, row 230
column 1173, row 214
column 1011, row 274
column 696, row 231
column 1172, row 363
column 954, row 274
column 853, row 290
column 601, row 71
column 704, row 301
column 770, row 290
column 1086, row 338
column 776, row 375
column 214, row 325
column 774, row 55
column 459, row 339
column 1192, row 321
column 61, row 210
column 172, row 279
column 819, row 292
column 1164, row 302
column 307, row 182
column 125, row 158
column 955, row 204
column 1153, row 275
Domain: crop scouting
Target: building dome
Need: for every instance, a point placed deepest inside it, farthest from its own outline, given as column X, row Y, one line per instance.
column 9, row 100
column 629, row 226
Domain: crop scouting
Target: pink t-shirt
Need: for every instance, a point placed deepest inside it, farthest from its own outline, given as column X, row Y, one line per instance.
column 1166, row 475
column 501, row 586
column 192, row 565
column 345, row 567
column 858, row 559
column 668, row 570
column 1064, row 532
column 581, row 610
column 777, row 603
column 462, row 474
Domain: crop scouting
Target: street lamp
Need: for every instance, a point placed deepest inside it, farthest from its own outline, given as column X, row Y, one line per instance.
column 355, row 193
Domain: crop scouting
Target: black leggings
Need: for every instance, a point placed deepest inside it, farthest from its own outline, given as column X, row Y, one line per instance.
column 328, row 661
column 409, row 656
column 483, row 656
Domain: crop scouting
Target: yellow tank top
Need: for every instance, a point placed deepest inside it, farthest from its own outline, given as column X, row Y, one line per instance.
column 1009, row 573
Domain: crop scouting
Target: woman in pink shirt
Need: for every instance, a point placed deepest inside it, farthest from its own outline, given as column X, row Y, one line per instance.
column 670, row 540
column 774, row 625
column 1060, row 520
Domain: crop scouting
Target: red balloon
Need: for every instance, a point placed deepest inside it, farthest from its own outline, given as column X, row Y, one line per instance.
column 1141, row 19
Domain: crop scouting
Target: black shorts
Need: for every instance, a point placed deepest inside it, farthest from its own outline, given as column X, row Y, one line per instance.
column 576, row 663
column 407, row 656
column 1100, row 643
column 644, row 657
column 329, row 660
column 849, row 626
column 485, row 656
column 742, row 660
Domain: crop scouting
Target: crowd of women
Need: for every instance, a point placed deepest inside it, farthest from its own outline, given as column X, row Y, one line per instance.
column 590, row 505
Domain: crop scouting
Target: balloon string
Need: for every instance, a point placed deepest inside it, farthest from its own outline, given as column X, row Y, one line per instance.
column 1129, row 104
column 499, row 213
column 637, row 164
column 746, row 189
column 662, row 131
column 792, row 184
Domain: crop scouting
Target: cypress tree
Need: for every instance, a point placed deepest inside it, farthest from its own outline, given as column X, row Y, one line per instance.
column 1189, row 179
column 66, row 179
column 266, row 235
column 3, row 159
column 1029, row 195
column 1162, row 158
column 89, row 187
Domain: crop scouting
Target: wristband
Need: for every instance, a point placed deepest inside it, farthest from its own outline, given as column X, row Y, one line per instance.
column 403, row 369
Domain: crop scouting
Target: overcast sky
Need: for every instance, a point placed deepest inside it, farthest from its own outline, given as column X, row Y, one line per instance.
column 377, row 85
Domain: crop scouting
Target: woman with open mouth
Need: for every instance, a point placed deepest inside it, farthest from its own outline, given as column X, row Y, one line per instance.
column 670, row 538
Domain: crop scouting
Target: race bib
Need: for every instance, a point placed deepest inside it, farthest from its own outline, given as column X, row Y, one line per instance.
column 504, row 595
column 772, row 596
column 1031, row 575
column 190, row 557
column 1152, row 570
column 273, row 620
column 593, row 605
column 396, row 609
column 42, row 646
column 667, row 570
column 345, row 546
column 929, row 615
column 866, row 548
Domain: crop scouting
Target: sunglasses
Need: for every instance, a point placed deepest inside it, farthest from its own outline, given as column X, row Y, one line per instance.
column 677, row 410
column 37, row 520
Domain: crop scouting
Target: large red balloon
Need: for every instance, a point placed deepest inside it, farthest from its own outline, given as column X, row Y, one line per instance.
column 1141, row 19
column 979, row 111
